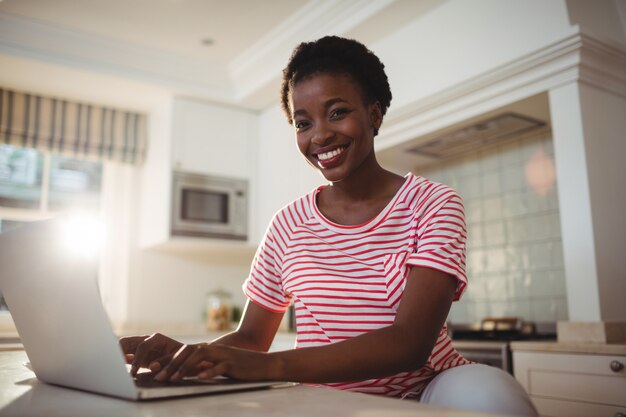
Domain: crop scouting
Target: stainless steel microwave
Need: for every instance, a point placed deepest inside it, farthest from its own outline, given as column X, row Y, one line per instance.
column 209, row 206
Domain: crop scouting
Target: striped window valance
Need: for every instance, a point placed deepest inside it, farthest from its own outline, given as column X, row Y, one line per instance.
column 70, row 128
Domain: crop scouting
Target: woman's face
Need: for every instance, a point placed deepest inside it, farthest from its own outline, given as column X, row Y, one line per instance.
column 334, row 127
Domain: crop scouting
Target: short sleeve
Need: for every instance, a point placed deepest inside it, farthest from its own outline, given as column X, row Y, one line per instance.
column 264, row 285
column 441, row 236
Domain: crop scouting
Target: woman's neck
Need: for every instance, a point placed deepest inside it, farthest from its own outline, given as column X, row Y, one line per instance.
column 359, row 198
column 368, row 183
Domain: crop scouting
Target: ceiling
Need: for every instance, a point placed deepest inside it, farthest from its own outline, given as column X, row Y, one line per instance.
column 164, row 42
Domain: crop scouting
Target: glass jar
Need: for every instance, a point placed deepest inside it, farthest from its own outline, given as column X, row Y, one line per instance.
column 219, row 310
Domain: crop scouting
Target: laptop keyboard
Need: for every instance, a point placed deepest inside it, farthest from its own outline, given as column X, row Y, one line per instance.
column 145, row 380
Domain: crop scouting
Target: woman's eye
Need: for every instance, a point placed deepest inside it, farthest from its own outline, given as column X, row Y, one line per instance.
column 338, row 113
column 301, row 124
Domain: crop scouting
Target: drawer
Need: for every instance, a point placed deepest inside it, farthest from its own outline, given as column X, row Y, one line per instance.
column 548, row 407
column 591, row 388
column 577, row 377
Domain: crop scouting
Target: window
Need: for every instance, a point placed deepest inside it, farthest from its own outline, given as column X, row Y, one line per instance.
column 35, row 185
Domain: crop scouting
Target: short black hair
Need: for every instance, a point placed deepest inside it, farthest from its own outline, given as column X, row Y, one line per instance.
column 336, row 55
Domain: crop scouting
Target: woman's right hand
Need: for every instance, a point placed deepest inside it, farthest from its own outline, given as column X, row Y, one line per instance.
column 152, row 352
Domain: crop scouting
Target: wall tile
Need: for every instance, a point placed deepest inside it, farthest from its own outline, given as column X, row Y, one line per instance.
column 540, row 255
column 556, row 253
column 513, row 259
column 515, row 204
column 536, row 203
column 500, row 308
column 469, row 187
column 478, row 310
column 519, row 307
column 519, row 282
column 516, row 230
column 512, row 178
column 492, row 208
column 495, row 233
column 466, row 166
column 510, row 154
column 490, row 183
column 514, row 254
column 548, row 309
column 473, row 210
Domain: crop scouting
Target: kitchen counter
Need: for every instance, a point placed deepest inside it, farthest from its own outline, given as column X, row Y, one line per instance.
column 21, row 394
column 570, row 347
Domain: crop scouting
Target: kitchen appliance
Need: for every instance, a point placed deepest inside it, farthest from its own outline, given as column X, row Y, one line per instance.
column 488, row 341
column 209, row 206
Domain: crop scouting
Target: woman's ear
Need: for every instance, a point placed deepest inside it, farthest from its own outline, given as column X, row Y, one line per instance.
column 376, row 116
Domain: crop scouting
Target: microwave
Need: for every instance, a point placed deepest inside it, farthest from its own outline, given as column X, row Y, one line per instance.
column 209, row 206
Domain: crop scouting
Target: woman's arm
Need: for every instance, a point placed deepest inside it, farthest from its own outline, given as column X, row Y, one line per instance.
column 403, row 346
column 256, row 329
column 255, row 332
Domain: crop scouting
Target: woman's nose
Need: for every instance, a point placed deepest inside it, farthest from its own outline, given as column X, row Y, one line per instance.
column 322, row 134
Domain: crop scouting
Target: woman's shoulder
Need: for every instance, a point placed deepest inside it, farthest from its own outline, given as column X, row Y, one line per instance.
column 422, row 190
column 298, row 210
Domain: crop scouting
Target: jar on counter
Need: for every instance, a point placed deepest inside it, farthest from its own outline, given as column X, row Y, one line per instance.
column 219, row 310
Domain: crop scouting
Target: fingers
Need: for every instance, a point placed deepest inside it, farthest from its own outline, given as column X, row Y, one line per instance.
column 213, row 371
column 174, row 366
column 145, row 352
column 152, row 352
column 191, row 360
column 129, row 344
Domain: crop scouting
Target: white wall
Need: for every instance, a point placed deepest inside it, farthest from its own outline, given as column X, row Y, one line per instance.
column 461, row 39
column 283, row 172
column 167, row 293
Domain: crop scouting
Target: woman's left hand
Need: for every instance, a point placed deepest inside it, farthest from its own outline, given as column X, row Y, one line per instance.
column 206, row 361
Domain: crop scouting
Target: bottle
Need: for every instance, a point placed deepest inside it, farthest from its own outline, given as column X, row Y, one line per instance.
column 219, row 310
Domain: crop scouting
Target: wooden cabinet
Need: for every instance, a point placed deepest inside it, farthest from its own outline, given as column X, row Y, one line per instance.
column 572, row 380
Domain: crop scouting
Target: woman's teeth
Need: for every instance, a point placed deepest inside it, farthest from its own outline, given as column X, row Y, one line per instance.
column 331, row 154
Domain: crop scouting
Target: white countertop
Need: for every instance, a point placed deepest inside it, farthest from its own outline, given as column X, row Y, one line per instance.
column 21, row 394
column 570, row 347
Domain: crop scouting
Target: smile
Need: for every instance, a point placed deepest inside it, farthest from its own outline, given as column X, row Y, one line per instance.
column 331, row 154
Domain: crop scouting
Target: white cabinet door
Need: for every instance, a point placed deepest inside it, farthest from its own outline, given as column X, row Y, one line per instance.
column 572, row 384
column 212, row 139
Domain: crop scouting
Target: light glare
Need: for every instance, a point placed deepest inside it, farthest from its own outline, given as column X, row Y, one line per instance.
column 83, row 235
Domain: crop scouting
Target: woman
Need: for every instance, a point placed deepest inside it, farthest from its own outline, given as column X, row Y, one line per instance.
column 372, row 262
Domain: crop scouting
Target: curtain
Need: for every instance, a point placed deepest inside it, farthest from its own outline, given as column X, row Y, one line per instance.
column 74, row 129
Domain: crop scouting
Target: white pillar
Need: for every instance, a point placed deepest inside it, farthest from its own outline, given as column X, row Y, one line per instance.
column 589, row 129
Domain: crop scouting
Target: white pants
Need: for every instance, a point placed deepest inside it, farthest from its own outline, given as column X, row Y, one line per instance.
column 481, row 388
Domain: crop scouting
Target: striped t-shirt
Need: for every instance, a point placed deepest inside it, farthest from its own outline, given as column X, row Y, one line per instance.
column 348, row 280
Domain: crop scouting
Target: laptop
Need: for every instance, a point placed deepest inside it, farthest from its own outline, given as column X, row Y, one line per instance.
column 54, row 300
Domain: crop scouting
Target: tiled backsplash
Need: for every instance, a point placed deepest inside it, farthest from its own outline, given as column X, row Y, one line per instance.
column 514, row 253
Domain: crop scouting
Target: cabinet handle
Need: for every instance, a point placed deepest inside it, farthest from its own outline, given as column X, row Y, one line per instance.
column 617, row 366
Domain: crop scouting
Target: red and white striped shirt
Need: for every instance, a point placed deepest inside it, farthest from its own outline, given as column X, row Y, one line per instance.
column 348, row 280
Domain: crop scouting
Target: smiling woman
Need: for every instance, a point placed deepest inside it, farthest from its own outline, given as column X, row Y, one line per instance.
column 371, row 261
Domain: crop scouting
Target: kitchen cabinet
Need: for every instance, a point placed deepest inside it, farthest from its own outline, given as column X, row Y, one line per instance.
column 212, row 139
column 572, row 379
column 200, row 137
